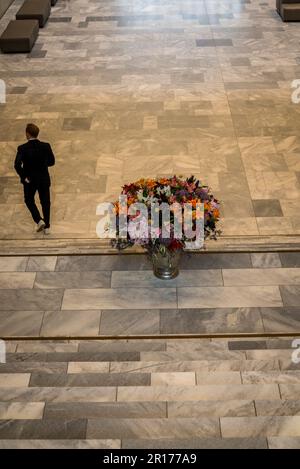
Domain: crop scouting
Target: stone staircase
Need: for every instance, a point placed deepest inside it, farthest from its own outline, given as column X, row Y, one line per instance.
column 289, row 10
column 208, row 393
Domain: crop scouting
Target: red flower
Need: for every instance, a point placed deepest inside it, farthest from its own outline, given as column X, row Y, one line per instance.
column 175, row 244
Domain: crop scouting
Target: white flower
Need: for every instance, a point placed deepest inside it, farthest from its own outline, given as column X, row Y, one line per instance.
column 168, row 191
column 140, row 195
column 164, row 190
column 138, row 229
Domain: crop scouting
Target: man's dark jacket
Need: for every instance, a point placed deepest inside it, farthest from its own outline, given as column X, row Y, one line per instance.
column 32, row 161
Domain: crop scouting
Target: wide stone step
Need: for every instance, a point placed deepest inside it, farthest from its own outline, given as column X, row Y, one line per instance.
column 175, row 366
column 193, row 355
column 216, row 354
column 153, row 379
column 92, row 410
column 198, row 393
column 189, row 393
column 201, row 443
column 91, row 379
column 120, row 345
column 231, row 427
column 149, row 393
column 160, row 378
column 147, row 409
column 73, row 356
column 251, row 427
column 91, row 346
column 154, row 428
column 196, row 443
column 145, row 367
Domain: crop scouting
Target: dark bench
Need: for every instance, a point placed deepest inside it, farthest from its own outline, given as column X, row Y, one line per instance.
column 35, row 10
column 19, row 36
column 289, row 10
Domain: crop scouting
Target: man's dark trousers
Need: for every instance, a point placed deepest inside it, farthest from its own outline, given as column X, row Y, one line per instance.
column 32, row 161
column 43, row 189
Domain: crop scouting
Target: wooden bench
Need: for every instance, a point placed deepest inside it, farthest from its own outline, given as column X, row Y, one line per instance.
column 19, row 36
column 289, row 10
column 35, row 10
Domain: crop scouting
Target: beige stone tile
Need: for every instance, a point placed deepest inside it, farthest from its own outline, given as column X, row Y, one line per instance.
column 250, row 427
column 194, row 344
column 295, row 221
column 41, row 263
column 124, row 298
column 230, row 408
column 278, row 225
column 16, row 280
column 13, row 264
column 292, row 161
column 58, row 394
column 36, row 347
column 250, row 146
column 60, row 444
column 282, row 181
column 76, row 323
column 21, row 410
column 173, row 379
column 268, row 354
column 289, row 391
column 238, row 227
column 265, row 260
column 198, row 393
column 258, row 377
column 280, row 276
column 194, row 365
column 121, row 279
column 290, row 207
column 233, row 377
column 279, row 408
column 154, row 428
column 184, row 355
column 213, row 297
column 283, row 442
column 88, row 367
column 20, row 323
column 10, row 347
column 14, row 380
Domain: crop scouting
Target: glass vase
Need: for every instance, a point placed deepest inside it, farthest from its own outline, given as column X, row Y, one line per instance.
column 166, row 263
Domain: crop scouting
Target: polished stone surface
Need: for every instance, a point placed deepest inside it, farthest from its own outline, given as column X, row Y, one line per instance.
column 126, row 92
column 115, row 295
column 111, row 394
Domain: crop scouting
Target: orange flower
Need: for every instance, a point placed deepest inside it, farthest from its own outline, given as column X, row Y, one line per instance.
column 130, row 201
column 194, row 202
column 164, row 181
column 151, row 183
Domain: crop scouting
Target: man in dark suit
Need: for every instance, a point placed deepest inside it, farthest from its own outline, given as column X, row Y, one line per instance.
column 31, row 163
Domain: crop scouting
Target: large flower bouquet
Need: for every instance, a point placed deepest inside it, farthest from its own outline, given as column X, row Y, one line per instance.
column 166, row 235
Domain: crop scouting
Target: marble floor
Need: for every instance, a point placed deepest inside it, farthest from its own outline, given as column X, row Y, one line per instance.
column 113, row 296
column 150, row 394
column 125, row 89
